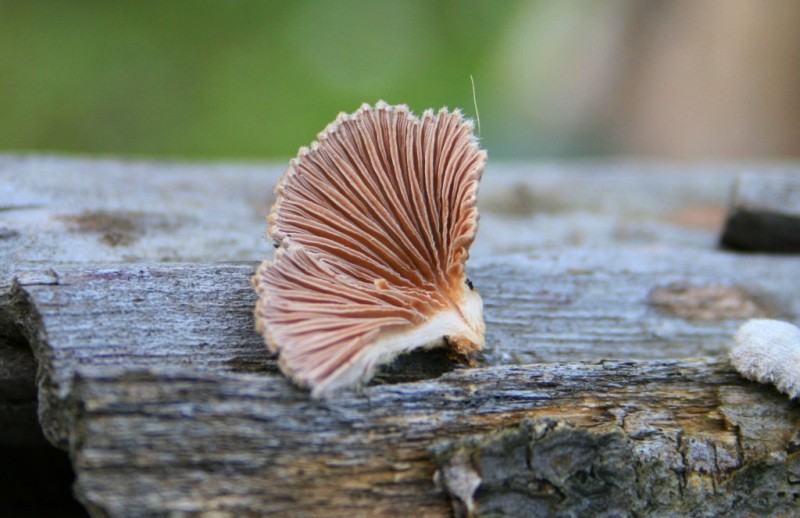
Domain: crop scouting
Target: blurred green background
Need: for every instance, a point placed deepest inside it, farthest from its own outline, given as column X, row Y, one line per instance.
column 258, row 79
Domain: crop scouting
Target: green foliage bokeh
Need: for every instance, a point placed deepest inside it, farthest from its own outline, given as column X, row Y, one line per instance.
column 238, row 79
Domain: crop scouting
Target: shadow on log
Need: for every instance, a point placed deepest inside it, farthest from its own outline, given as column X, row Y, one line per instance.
column 36, row 478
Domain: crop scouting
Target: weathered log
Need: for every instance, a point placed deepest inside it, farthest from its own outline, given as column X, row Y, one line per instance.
column 56, row 209
column 162, row 441
column 152, row 378
column 764, row 215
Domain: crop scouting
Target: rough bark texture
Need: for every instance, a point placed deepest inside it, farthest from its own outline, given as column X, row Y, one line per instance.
column 158, row 441
column 642, row 464
column 765, row 214
column 599, row 281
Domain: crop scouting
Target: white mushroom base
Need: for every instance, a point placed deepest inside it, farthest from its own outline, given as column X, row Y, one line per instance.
column 464, row 324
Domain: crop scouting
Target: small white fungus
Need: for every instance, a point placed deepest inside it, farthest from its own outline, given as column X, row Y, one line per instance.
column 768, row 351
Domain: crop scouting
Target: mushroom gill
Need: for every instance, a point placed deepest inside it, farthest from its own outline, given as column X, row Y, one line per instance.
column 372, row 225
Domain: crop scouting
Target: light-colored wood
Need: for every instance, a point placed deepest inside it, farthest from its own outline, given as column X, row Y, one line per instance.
column 58, row 209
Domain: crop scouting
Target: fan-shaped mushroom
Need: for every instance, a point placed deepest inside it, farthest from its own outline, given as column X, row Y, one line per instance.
column 372, row 225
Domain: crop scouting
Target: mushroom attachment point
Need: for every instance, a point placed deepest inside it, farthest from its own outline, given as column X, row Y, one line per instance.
column 373, row 225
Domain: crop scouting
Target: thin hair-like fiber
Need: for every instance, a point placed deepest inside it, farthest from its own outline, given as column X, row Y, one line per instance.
column 475, row 103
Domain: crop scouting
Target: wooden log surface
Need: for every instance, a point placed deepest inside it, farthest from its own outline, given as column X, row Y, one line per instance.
column 599, row 280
